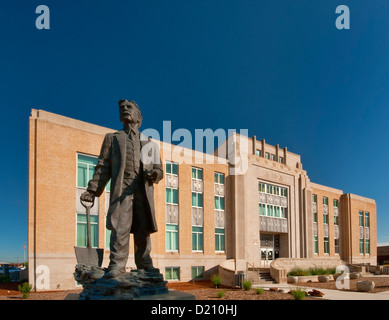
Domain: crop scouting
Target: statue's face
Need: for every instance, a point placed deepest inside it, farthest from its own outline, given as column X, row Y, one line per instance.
column 128, row 112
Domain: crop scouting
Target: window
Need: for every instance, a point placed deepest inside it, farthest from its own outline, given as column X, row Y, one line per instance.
column 267, row 155
column 219, row 178
column 336, row 246
column 197, row 238
column 171, row 168
column 335, row 203
column 273, row 157
column 270, row 212
column 315, row 245
column 361, row 218
column 171, row 196
column 172, row 273
column 325, row 201
column 367, row 220
column 197, row 272
column 336, row 220
column 82, row 230
column 262, row 209
column 219, row 203
column 219, row 239
column 258, row 153
column 281, row 160
column 326, row 246
column 367, row 246
column 197, row 199
column 325, row 218
column 315, row 198
column 361, row 246
column 197, row 173
column 171, row 237
column 85, row 169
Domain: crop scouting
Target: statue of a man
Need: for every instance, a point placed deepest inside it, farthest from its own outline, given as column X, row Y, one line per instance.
column 132, row 162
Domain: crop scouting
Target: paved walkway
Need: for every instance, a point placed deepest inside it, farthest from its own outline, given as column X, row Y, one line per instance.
column 331, row 294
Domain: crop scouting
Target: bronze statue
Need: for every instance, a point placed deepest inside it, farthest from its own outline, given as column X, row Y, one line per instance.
column 132, row 162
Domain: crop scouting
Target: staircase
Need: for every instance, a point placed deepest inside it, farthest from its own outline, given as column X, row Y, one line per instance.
column 259, row 276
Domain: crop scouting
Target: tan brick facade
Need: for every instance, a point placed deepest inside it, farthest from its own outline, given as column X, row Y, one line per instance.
column 55, row 142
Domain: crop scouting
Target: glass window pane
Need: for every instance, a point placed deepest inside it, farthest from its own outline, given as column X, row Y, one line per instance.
column 194, row 176
column 175, row 168
column 175, row 196
column 82, row 175
column 168, row 166
column 194, row 199
column 222, row 203
column 200, row 200
column 87, row 159
column 168, row 195
column 200, row 174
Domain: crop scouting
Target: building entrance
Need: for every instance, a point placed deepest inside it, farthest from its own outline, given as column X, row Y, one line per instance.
column 270, row 251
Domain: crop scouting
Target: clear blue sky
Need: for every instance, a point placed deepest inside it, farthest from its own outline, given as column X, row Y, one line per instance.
column 280, row 69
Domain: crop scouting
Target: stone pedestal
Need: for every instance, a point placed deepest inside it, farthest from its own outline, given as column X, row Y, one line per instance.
column 134, row 285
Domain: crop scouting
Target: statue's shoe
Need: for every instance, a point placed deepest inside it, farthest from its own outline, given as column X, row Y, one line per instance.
column 114, row 272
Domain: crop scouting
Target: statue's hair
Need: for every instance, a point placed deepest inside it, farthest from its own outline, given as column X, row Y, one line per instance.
column 140, row 117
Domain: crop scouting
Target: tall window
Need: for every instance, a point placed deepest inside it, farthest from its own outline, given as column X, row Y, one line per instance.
column 367, row 220
column 314, row 208
column 197, row 238
column 361, row 218
column 336, row 246
column 219, row 210
column 315, row 245
column 171, row 237
column 171, row 198
column 325, row 213
column 325, row 201
column 197, row 205
column 326, row 245
column 258, row 153
column 219, row 239
column 85, row 169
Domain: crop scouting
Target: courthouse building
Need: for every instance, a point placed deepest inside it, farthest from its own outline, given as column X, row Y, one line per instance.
column 209, row 214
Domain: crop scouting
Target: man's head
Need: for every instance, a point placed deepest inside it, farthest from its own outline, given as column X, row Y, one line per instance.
column 130, row 113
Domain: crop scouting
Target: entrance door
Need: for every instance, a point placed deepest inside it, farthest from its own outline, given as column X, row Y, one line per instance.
column 267, row 256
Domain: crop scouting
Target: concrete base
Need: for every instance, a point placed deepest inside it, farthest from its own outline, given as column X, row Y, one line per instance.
column 171, row 295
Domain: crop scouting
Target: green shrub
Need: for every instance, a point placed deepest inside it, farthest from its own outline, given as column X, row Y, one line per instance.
column 216, row 280
column 298, row 294
column 25, row 289
column 298, row 272
column 259, row 290
column 220, row 294
column 247, row 285
column 311, row 272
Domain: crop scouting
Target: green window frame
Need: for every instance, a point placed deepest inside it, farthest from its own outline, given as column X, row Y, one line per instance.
column 171, row 195
column 361, row 218
column 197, row 173
column 315, row 244
column 325, row 201
column 258, row 153
column 197, row 272
column 336, row 203
column 85, row 169
column 171, row 168
column 219, row 239
column 367, row 220
column 336, row 220
column 172, row 273
column 336, row 244
column 262, row 209
column 171, row 237
column 197, row 199
column 219, row 177
column 314, row 198
column 326, row 245
column 197, row 238
column 367, row 246
column 219, row 203
column 361, row 246
column 82, row 230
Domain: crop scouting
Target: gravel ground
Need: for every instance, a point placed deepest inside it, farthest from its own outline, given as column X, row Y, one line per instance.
column 202, row 290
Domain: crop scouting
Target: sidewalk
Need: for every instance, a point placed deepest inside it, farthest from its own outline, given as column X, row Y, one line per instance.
column 331, row 294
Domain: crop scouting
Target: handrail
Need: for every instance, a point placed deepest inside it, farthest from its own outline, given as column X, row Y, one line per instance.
column 252, row 266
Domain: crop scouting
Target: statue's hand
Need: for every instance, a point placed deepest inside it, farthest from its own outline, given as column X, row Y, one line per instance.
column 151, row 175
column 87, row 197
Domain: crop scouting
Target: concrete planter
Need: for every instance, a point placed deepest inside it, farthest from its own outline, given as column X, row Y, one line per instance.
column 293, row 279
column 365, row 286
column 355, row 275
column 323, row 278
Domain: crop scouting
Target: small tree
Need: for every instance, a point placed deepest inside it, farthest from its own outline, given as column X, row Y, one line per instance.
column 25, row 289
column 247, row 284
column 216, row 280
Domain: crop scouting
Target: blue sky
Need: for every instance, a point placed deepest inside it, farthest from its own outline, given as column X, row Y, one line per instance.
column 280, row 69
